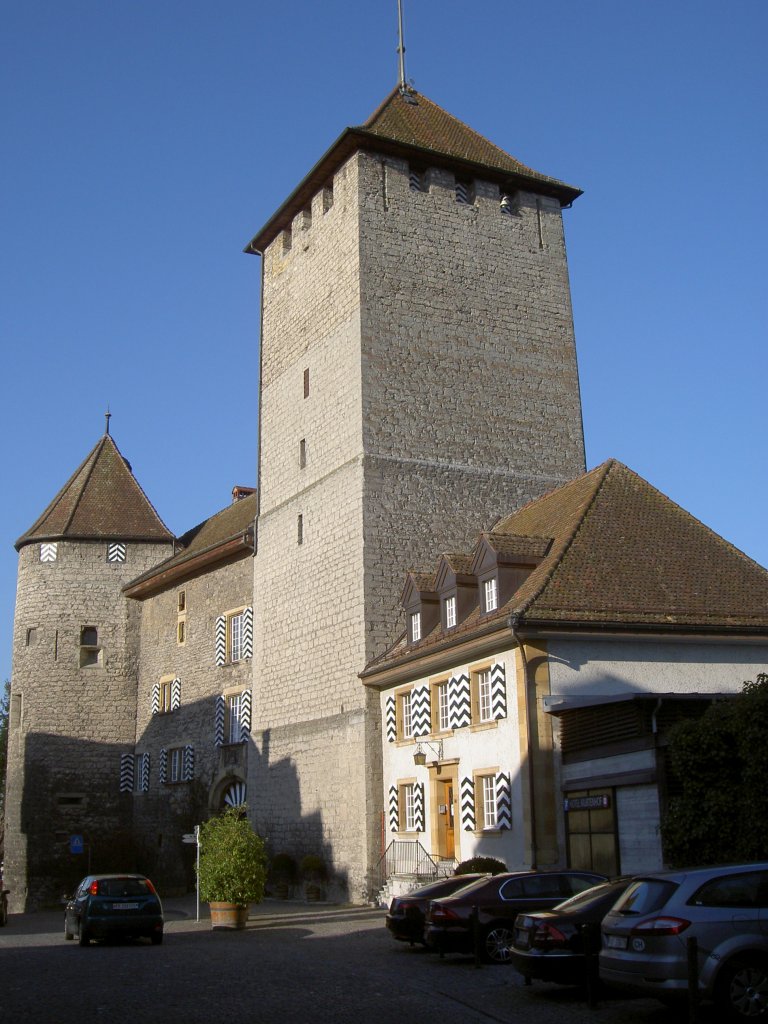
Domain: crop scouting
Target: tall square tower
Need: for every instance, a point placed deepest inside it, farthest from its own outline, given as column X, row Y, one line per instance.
column 418, row 380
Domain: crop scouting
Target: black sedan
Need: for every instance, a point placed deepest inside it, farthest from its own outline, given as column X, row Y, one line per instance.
column 556, row 945
column 405, row 919
column 481, row 918
column 108, row 906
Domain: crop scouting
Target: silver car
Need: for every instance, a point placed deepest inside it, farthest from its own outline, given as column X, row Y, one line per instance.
column 725, row 909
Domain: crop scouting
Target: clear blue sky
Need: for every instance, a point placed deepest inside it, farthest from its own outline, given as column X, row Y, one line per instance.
column 144, row 142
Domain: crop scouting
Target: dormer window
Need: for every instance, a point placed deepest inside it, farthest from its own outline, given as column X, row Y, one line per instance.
column 490, row 595
column 450, row 612
column 415, row 627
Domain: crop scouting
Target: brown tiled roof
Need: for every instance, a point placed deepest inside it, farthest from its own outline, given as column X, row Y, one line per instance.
column 212, row 537
column 458, row 562
column 625, row 553
column 514, row 545
column 623, row 556
column 411, row 126
column 422, row 581
column 413, row 120
column 101, row 500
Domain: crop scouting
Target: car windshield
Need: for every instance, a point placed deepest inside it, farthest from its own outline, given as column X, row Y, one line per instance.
column 645, row 895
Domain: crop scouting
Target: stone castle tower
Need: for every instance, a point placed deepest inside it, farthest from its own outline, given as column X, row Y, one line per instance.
column 418, row 379
column 75, row 654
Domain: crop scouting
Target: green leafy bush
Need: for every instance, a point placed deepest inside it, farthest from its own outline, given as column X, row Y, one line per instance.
column 233, row 864
column 488, row 865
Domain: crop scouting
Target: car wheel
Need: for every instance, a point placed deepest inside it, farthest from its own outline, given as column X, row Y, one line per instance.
column 496, row 944
column 82, row 935
column 156, row 938
column 742, row 988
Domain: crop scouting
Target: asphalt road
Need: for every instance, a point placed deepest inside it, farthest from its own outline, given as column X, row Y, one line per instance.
column 293, row 963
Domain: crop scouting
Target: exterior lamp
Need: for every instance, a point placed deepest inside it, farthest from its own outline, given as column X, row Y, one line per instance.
column 420, row 757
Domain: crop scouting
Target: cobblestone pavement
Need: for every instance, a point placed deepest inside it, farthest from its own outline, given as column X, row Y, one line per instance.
column 294, row 962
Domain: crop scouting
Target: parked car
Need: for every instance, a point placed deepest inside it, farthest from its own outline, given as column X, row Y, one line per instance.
column 449, row 924
column 725, row 909
column 405, row 919
column 553, row 945
column 105, row 906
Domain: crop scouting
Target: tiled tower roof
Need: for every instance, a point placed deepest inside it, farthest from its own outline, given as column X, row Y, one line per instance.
column 101, row 500
column 410, row 126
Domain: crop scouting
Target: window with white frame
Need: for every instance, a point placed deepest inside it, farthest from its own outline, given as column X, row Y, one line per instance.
column 408, row 807
column 441, row 721
column 233, row 724
column 489, row 818
column 483, row 688
column 450, row 612
column 415, row 626
column 176, row 764
column 490, row 594
column 235, row 636
column 404, row 716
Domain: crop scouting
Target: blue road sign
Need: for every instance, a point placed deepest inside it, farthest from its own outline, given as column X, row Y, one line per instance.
column 76, row 844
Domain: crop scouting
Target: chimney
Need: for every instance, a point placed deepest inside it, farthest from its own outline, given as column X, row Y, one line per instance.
column 239, row 492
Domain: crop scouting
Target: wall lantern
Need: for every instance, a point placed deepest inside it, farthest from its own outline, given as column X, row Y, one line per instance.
column 420, row 757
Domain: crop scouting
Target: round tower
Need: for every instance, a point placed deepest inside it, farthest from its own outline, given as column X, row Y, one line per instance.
column 73, row 683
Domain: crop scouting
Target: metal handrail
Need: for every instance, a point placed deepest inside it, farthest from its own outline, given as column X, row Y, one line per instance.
column 403, row 857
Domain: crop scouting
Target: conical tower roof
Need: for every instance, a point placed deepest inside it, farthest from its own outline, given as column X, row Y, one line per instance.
column 101, row 500
column 410, row 126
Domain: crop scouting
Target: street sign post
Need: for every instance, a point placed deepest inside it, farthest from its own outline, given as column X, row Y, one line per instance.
column 194, row 837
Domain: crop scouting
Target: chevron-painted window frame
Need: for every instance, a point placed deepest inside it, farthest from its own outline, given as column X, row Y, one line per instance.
column 233, row 637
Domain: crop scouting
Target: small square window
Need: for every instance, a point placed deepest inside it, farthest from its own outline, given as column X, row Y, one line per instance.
column 31, row 636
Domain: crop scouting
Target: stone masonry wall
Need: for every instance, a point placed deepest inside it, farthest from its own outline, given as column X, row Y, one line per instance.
column 471, row 401
column 167, row 811
column 69, row 723
column 443, row 393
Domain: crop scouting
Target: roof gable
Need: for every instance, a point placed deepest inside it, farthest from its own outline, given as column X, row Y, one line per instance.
column 101, row 500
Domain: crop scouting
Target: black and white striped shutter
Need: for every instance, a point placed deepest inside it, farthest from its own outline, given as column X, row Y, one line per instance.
column 143, row 779
column 503, row 801
column 467, row 799
column 498, row 691
column 188, row 764
column 218, row 721
column 220, row 640
column 156, row 699
column 245, row 715
column 459, row 701
column 116, row 551
column 418, row 806
column 175, row 695
column 420, row 711
column 390, row 715
column 394, row 809
column 247, row 651
column 163, row 765
column 126, row 773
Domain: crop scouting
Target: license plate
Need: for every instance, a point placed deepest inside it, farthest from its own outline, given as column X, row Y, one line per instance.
column 616, row 941
column 125, row 906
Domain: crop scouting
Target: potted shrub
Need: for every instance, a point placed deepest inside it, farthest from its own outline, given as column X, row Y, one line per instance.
column 233, row 868
column 313, row 872
column 283, row 872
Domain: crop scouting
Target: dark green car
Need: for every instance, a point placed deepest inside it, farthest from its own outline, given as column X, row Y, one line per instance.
column 114, row 906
